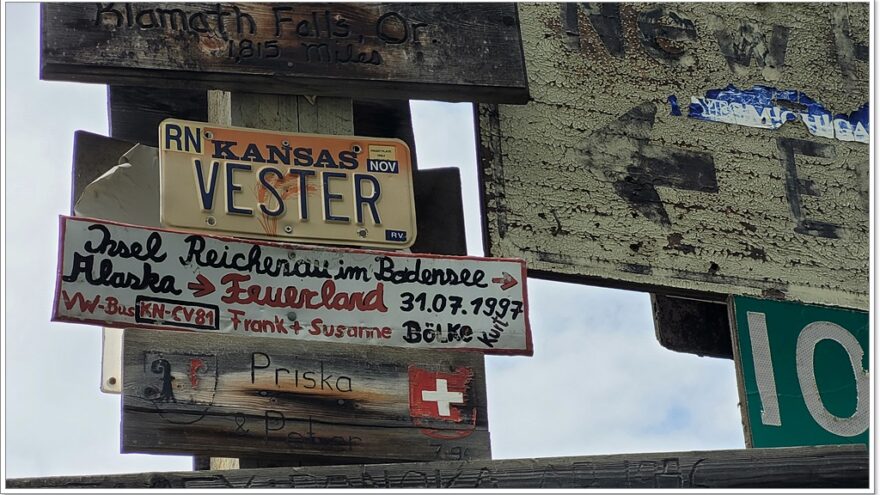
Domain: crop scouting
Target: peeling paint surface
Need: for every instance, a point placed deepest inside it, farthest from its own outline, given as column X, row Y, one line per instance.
column 598, row 180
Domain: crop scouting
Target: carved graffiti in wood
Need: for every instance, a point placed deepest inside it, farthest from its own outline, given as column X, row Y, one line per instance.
column 220, row 395
column 372, row 50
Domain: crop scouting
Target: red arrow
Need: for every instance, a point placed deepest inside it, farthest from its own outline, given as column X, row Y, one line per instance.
column 506, row 280
column 202, row 286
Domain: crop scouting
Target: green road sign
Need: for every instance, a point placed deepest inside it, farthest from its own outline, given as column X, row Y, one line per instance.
column 802, row 373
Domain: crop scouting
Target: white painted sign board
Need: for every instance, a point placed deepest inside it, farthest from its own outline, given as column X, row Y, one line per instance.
column 122, row 275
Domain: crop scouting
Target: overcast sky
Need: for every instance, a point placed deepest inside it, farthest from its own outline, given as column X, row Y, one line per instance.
column 599, row 383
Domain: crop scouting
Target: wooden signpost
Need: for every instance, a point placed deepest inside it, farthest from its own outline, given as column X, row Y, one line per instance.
column 127, row 276
column 803, row 373
column 378, row 50
column 625, row 193
column 133, row 108
column 232, row 396
column 642, row 160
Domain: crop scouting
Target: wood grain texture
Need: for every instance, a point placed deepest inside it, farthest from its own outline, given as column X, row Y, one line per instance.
column 596, row 181
column 374, row 50
column 203, row 394
column 692, row 326
column 289, row 113
column 134, row 112
column 803, row 467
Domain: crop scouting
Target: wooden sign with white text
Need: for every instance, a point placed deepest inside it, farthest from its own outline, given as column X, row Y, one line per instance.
column 189, row 393
column 121, row 275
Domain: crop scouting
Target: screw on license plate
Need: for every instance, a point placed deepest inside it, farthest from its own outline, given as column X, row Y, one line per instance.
column 291, row 316
column 210, row 220
column 288, row 229
column 356, row 148
column 209, row 135
column 362, row 232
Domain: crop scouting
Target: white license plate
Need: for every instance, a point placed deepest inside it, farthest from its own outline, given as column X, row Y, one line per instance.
column 343, row 190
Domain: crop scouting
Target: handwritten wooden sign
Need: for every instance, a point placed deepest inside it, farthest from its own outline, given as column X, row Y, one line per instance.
column 233, row 396
column 688, row 149
column 121, row 275
column 390, row 50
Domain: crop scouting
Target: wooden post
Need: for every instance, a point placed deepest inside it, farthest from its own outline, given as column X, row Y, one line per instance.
column 316, row 115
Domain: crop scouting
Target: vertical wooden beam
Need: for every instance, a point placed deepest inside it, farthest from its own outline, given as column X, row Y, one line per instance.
column 321, row 115
column 318, row 115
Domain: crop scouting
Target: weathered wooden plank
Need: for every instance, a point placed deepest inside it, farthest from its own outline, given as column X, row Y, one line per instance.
column 374, row 50
column 641, row 163
column 692, row 326
column 209, row 394
column 134, row 112
column 804, row 467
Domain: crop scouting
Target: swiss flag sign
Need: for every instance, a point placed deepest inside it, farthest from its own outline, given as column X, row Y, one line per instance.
column 439, row 396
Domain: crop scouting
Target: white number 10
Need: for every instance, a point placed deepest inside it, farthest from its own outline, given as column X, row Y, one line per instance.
column 809, row 336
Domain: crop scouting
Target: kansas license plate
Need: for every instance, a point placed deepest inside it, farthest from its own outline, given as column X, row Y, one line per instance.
column 343, row 190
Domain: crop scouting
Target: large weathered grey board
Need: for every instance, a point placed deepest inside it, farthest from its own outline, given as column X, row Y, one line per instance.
column 208, row 394
column 598, row 180
column 457, row 52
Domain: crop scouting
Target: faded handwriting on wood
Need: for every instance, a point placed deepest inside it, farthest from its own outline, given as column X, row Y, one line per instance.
column 809, row 467
column 222, row 395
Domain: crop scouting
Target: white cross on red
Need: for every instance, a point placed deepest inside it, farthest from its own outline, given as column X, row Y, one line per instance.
column 443, row 397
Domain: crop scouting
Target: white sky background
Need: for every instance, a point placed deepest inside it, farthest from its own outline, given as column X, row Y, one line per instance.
column 599, row 382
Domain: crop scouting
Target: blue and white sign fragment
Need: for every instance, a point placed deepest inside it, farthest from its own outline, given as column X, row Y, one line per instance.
column 768, row 108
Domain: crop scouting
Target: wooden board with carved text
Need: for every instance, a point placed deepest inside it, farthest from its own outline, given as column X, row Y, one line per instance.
column 841, row 466
column 380, row 50
column 687, row 149
column 209, row 394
